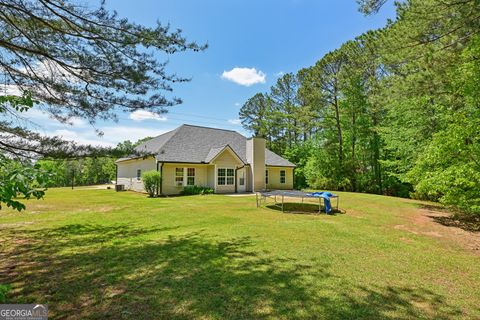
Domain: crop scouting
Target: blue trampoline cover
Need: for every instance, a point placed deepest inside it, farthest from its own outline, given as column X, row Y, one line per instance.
column 326, row 199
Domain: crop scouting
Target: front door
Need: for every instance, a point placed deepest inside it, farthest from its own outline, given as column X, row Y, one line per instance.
column 241, row 181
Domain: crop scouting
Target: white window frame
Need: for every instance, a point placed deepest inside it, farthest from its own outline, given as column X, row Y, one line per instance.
column 184, row 176
column 175, row 176
column 226, row 176
column 284, row 176
column 266, row 176
column 194, row 173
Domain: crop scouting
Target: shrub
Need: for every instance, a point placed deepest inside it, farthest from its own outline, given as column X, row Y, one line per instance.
column 191, row 190
column 151, row 182
column 3, row 292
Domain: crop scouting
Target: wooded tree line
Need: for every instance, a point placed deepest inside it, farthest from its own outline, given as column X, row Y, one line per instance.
column 86, row 170
column 74, row 60
column 395, row 111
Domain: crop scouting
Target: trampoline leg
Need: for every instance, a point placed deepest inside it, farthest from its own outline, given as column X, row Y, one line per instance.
column 319, row 205
column 256, row 196
column 282, row 203
column 338, row 199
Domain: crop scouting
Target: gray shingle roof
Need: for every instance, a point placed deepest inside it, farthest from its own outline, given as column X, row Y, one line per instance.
column 195, row 144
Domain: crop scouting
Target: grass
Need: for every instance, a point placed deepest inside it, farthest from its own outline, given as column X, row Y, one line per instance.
column 97, row 254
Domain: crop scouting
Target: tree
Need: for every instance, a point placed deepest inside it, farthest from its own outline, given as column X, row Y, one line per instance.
column 28, row 181
column 368, row 7
column 74, row 61
column 285, row 106
column 81, row 62
column 86, row 170
column 394, row 111
column 253, row 114
column 449, row 168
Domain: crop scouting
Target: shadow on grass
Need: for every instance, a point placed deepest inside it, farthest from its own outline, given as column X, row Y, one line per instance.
column 97, row 272
column 467, row 222
column 300, row 208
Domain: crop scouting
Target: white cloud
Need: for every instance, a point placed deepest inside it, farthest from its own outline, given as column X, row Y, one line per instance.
column 77, row 122
column 39, row 116
column 120, row 133
column 12, row 90
column 235, row 121
column 280, row 74
column 36, row 114
column 45, row 70
column 141, row 115
column 84, row 138
column 111, row 135
column 244, row 76
column 237, row 104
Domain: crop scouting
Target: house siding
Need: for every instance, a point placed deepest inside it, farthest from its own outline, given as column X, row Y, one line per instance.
column 211, row 176
column 274, row 178
column 168, row 176
column 205, row 174
column 127, row 172
column 226, row 160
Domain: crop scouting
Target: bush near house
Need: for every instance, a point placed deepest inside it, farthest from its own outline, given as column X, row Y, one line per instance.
column 151, row 182
column 191, row 190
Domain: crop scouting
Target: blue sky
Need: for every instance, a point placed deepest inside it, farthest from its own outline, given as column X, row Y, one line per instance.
column 272, row 37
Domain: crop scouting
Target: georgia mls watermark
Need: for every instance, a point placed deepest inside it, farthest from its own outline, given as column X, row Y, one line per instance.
column 23, row 312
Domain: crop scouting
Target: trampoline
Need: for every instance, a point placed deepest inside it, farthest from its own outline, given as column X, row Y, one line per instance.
column 262, row 197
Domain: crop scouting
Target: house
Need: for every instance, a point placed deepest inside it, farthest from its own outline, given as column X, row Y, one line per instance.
column 221, row 159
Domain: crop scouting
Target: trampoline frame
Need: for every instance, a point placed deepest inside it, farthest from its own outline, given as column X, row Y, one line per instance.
column 262, row 196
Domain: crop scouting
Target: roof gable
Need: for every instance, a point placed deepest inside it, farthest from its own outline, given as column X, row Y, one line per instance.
column 216, row 152
column 195, row 144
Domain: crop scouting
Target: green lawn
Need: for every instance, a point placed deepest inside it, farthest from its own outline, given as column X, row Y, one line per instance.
column 97, row 254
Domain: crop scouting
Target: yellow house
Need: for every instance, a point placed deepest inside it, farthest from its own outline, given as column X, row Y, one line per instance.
column 223, row 160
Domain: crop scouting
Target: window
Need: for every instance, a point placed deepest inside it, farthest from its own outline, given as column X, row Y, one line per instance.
column 225, row 176
column 282, row 176
column 241, row 181
column 221, row 173
column 230, row 177
column 266, row 176
column 139, row 174
column 179, row 176
column 190, row 176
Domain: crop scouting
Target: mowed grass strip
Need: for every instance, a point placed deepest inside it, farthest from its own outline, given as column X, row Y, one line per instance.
column 98, row 254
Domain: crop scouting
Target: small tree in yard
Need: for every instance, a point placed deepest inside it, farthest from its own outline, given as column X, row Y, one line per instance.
column 151, row 182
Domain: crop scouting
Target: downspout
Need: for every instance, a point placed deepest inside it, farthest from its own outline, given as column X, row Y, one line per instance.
column 158, row 186
column 293, row 177
column 116, row 175
column 161, row 178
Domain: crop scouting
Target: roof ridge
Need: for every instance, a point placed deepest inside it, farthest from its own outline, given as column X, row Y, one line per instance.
column 204, row 127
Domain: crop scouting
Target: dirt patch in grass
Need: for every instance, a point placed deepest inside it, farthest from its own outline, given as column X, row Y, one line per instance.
column 440, row 223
